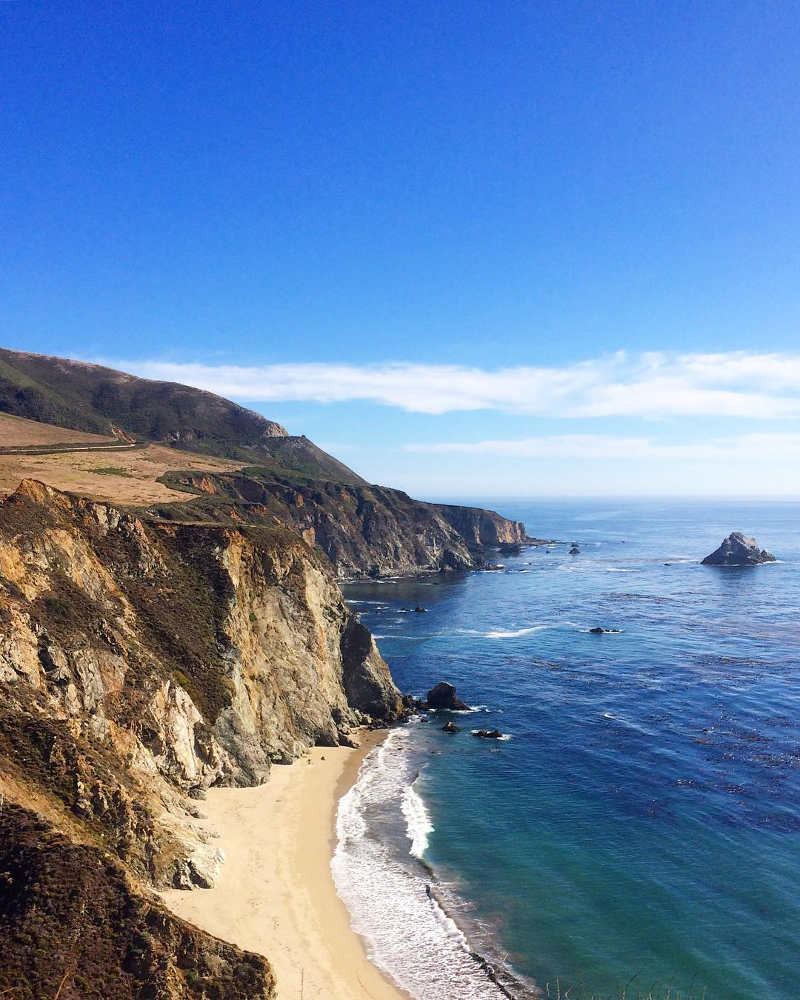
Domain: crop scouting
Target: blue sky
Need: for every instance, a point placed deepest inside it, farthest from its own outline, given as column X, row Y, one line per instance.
column 474, row 249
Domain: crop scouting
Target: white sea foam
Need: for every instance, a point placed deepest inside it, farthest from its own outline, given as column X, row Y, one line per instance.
column 418, row 821
column 515, row 633
column 406, row 930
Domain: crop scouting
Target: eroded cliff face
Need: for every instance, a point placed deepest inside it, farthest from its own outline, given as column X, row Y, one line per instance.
column 363, row 530
column 141, row 663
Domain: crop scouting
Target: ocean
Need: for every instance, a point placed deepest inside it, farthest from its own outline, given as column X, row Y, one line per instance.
column 638, row 831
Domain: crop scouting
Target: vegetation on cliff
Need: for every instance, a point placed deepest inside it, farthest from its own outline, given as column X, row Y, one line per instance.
column 100, row 400
column 73, row 926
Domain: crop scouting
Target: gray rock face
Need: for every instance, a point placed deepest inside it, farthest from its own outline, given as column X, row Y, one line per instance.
column 738, row 550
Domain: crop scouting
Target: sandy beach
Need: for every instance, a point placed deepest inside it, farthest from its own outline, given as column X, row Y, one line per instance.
column 275, row 894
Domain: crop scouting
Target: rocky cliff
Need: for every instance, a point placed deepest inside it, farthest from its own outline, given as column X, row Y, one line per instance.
column 142, row 662
column 363, row 530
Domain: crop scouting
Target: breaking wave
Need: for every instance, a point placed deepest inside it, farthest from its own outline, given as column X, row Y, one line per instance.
column 394, row 899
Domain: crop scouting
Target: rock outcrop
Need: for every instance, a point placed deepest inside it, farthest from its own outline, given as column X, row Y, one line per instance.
column 738, row 550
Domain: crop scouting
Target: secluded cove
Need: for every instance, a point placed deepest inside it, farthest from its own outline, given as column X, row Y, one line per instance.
column 275, row 894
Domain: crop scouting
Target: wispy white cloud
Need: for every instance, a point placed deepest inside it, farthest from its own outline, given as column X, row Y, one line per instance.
column 739, row 449
column 655, row 384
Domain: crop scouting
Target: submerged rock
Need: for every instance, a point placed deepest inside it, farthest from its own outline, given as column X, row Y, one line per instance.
column 443, row 695
column 738, row 550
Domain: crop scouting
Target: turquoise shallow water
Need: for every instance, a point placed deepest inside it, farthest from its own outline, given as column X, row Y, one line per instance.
column 642, row 823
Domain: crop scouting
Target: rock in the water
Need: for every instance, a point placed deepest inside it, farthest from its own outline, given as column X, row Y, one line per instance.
column 596, row 630
column 420, row 610
column 738, row 550
column 444, row 696
column 451, row 727
column 511, row 548
column 487, row 734
column 574, row 551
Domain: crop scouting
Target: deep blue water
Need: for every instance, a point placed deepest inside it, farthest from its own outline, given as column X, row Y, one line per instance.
column 642, row 823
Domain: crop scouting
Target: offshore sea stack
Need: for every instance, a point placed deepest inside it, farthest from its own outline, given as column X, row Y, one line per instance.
column 443, row 696
column 738, row 550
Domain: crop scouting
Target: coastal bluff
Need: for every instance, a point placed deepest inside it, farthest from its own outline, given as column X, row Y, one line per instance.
column 364, row 530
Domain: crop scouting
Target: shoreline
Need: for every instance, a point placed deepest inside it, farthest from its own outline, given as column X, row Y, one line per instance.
column 275, row 893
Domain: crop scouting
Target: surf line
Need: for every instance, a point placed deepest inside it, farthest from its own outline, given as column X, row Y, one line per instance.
column 437, row 902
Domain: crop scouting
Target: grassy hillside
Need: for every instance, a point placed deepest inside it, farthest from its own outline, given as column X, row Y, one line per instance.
column 103, row 401
column 97, row 400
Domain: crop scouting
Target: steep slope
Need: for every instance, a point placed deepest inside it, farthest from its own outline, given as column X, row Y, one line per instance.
column 100, row 400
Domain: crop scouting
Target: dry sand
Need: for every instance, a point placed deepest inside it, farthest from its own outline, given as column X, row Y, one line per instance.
column 275, row 894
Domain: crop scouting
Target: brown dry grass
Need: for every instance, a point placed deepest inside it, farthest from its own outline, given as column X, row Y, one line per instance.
column 18, row 432
column 118, row 476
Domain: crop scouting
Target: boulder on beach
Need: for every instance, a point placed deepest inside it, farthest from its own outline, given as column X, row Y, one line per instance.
column 738, row 550
column 443, row 695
